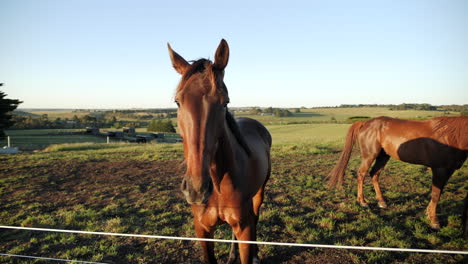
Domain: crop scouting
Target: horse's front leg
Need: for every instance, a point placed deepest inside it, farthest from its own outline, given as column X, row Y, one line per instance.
column 207, row 247
column 440, row 177
column 247, row 231
column 234, row 253
column 257, row 202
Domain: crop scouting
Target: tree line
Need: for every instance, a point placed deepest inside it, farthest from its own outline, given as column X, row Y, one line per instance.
column 278, row 112
column 6, row 107
column 405, row 106
column 44, row 122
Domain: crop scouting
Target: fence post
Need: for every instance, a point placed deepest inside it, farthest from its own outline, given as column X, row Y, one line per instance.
column 108, row 139
column 8, row 141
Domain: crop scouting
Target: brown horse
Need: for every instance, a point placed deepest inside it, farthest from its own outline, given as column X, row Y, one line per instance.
column 228, row 160
column 440, row 143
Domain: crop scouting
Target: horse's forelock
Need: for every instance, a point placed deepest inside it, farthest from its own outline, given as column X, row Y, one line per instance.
column 200, row 66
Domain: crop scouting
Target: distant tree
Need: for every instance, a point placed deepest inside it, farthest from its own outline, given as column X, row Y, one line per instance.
column 6, row 107
column 158, row 125
column 297, row 110
column 76, row 119
column 117, row 125
column 88, row 120
column 282, row 112
column 255, row 111
column 269, row 110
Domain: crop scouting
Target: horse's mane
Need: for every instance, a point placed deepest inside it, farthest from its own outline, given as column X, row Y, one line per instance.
column 453, row 128
column 232, row 124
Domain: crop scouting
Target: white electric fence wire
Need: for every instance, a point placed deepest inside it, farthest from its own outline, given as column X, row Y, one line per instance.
column 241, row 241
column 52, row 259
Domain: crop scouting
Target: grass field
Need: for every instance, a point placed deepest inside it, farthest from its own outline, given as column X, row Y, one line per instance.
column 53, row 114
column 306, row 114
column 35, row 139
column 311, row 115
column 41, row 138
column 131, row 188
column 134, row 188
column 316, row 134
column 310, row 126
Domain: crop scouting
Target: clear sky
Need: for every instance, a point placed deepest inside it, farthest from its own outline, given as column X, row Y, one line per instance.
column 113, row 54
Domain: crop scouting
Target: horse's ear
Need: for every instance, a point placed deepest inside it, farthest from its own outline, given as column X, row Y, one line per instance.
column 221, row 55
column 179, row 63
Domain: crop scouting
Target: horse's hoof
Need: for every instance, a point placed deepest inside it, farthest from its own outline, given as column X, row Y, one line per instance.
column 435, row 227
column 232, row 259
column 256, row 260
column 364, row 205
column 382, row 205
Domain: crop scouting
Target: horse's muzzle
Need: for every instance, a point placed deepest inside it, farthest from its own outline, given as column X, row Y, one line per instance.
column 194, row 196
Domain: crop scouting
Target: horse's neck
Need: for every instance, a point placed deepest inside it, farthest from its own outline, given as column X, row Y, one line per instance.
column 225, row 157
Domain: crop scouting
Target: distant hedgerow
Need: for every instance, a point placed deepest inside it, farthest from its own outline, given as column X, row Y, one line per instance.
column 353, row 119
column 158, row 125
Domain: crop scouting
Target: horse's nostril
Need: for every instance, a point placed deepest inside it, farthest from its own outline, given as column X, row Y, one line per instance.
column 183, row 185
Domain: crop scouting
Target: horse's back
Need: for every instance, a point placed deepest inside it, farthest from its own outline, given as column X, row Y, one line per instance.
column 253, row 130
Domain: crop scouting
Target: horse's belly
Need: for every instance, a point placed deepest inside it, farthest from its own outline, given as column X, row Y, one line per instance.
column 258, row 171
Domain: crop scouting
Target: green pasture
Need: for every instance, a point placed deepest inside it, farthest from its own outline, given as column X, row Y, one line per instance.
column 134, row 188
column 316, row 134
column 340, row 114
column 40, row 132
column 53, row 114
column 295, row 135
column 41, row 138
column 315, row 115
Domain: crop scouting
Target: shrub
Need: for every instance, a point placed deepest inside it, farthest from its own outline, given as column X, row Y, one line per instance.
column 282, row 113
column 353, row 119
column 157, row 125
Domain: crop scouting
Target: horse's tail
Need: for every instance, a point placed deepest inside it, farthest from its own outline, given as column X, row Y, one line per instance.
column 335, row 177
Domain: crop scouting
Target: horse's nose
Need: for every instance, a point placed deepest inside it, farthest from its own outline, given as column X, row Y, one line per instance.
column 194, row 196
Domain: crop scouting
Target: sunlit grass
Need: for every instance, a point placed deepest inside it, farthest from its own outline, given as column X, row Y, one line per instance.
column 298, row 205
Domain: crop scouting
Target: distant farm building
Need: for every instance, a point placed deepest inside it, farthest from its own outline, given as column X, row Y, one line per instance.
column 115, row 134
column 143, row 139
column 92, row 130
column 129, row 130
column 159, row 136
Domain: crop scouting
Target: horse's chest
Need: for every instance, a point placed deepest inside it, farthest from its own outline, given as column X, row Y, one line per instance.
column 216, row 215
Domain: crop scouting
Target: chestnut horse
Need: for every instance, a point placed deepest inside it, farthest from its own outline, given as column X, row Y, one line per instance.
column 440, row 143
column 228, row 160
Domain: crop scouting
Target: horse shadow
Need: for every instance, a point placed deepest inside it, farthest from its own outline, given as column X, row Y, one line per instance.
column 432, row 153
